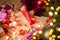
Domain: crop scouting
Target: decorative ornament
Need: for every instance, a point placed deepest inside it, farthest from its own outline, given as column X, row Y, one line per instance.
column 22, row 32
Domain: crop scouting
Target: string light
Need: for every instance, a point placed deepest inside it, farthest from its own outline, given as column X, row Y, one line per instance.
column 58, row 36
column 52, row 8
column 53, row 39
column 14, row 23
column 50, row 14
column 50, row 38
column 53, row 36
column 48, row 0
column 47, row 4
column 54, row 20
column 51, row 24
column 58, row 29
column 51, row 31
column 45, row 1
column 56, row 13
column 34, row 37
column 40, row 32
column 58, row 8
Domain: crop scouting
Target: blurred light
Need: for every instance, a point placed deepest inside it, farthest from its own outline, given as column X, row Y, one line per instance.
column 46, row 34
column 38, row 25
column 53, row 36
column 45, row 1
column 40, row 32
column 50, row 14
column 53, row 39
column 10, row 24
column 47, row 4
column 57, row 9
column 51, row 24
column 39, row 2
column 34, row 37
column 48, row 0
column 14, row 33
column 34, row 33
column 7, row 37
column 54, row 20
column 52, row 8
column 58, row 29
column 58, row 36
column 14, row 23
column 51, row 31
column 56, row 13
column 50, row 38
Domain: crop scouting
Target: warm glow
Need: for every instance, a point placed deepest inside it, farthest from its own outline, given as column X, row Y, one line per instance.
column 51, row 24
column 56, row 13
column 54, row 20
column 58, row 29
column 40, row 32
column 50, row 13
column 34, row 33
column 47, row 4
column 34, row 37
column 58, row 8
column 7, row 37
column 14, row 33
column 49, row 0
column 50, row 38
column 53, row 39
column 14, row 23
column 52, row 8
column 58, row 36
column 51, row 31
column 53, row 36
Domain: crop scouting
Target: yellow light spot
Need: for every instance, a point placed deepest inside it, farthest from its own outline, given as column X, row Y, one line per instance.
column 49, row 0
column 56, row 13
column 53, row 39
column 50, row 38
column 53, row 36
column 58, row 36
column 52, row 8
column 54, row 20
column 34, row 37
column 51, row 31
column 40, row 32
column 50, row 13
column 58, row 7
column 58, row 29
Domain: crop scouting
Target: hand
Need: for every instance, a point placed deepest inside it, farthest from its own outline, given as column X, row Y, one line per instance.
column 31, row 12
